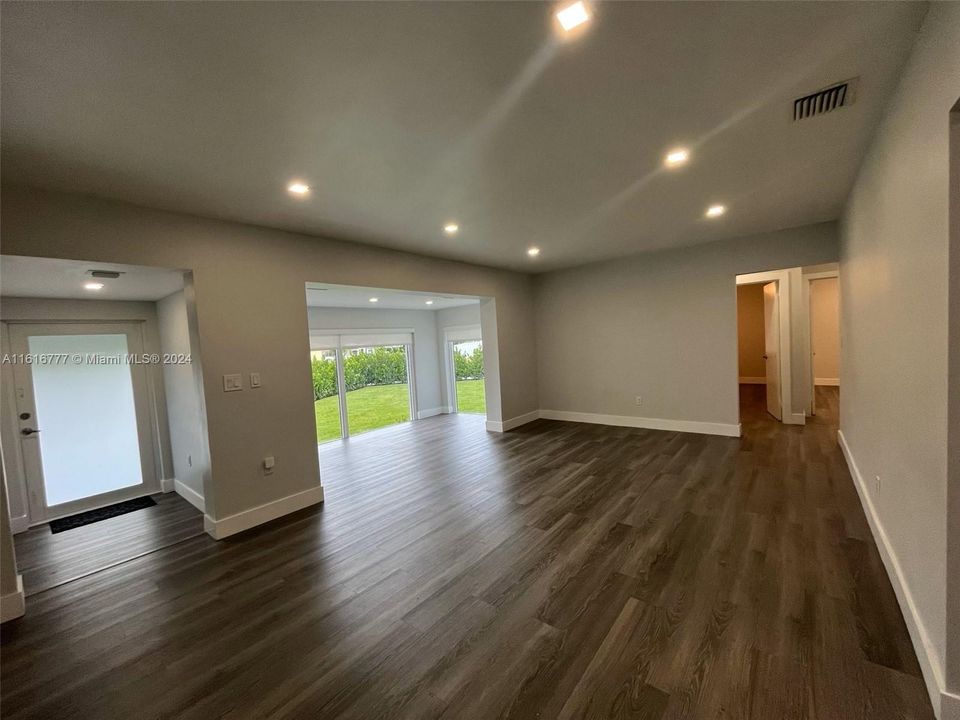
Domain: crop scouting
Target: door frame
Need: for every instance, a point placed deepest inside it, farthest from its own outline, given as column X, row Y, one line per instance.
column 782, row 279
column 811, row 375
column 38, row 512
column 449, row 370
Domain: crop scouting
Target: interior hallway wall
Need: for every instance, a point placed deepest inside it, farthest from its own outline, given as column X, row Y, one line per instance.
column 825, row 330
column 894, row 264
column 750, row 333
column 184, row 386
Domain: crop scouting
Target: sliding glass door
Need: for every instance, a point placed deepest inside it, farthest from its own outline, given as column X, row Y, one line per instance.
column 361, row 382
column 377, row 387
column 469, row 374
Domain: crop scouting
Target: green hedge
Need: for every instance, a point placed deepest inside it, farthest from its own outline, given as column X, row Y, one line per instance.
column 383, row 366
column 469, row 367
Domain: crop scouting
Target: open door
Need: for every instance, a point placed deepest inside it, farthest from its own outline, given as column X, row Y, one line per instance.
column 771, row 350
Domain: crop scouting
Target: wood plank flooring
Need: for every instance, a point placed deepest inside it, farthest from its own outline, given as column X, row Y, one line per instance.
column 46, row 559
column 557, row 571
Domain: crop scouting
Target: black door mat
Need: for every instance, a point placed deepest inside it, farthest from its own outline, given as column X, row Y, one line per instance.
column 104, row 513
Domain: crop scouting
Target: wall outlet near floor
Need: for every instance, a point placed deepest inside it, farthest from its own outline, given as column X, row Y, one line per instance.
column 639, row 399
column 876, row 484
column 268, row 465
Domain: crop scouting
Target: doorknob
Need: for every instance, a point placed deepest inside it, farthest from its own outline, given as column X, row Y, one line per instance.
column 765, row 357
column 28, row 431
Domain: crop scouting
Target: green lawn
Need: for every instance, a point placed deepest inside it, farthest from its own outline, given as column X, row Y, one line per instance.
column 470, row 396
column 375, row 407
column 367, row 409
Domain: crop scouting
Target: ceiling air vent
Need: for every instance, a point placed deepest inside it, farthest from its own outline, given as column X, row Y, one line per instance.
column 823, row 101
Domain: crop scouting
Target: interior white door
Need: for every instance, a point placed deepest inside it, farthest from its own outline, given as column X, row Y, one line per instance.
column 771, row 350
column 83, row 408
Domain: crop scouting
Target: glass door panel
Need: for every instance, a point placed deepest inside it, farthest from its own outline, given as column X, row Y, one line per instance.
column 89, row 442
column 469, row 373
column 326, row 395
column 377, row 387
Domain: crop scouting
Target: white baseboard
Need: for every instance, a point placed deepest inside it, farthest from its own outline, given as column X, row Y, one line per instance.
column 13, row 605
column 167, row 485
column 232, row 524
column 690, row 426
column 753, row 381
column 19, row 524
column 190, row 495
column 496, row 426
column 430, row 412
column 833, row 382
column 929, row 664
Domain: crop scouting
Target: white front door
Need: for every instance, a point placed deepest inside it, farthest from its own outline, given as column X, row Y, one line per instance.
column 771, row 350
column 83, row 409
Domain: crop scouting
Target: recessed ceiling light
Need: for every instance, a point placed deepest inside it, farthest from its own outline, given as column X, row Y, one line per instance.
column 93, row 286
column 677, row 157
column 429, row 302
column 715, row 211
column 451, row 228
column 374, row 299
column 533, row 252
column 573, row 15
column 298, row 188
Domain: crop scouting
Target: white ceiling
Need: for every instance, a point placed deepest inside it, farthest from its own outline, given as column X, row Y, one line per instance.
column 403, row 116
column 350, row 296
column 47, row 278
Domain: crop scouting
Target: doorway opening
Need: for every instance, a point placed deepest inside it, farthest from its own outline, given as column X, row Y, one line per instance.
column 103, row 432
column 759, row 348
column 823, row 293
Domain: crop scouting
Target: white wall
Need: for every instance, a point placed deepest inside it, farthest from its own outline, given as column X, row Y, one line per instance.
column 185, row 408
column 662, row 325
column 425, row 351
column 894, row 275
column 252, row 317
column 45, row 310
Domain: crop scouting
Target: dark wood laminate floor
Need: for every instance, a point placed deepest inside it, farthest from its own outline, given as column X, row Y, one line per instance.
column 48, row 559
column 557, row 571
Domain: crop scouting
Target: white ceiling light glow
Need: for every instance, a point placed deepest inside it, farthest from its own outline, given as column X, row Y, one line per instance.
column 533, row 252
column 715, row 211
column 451, row 228
column 573, row 16
column 93, row 286
column 676, row 157
column 429, row 302
column 373, row 300
column 298, row 188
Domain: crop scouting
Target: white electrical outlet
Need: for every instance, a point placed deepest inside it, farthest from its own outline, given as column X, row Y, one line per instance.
column 876, row 483
column 639, row 399
column 268, row 465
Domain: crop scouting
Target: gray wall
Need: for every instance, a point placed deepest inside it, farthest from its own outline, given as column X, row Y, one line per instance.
column 894, row 277
column 425, row 353
column 183, row 383
column 661, row 325
column 252, row 317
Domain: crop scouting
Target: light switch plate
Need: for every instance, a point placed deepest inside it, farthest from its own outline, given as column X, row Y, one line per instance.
column 254, row 380
column 232, row 383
